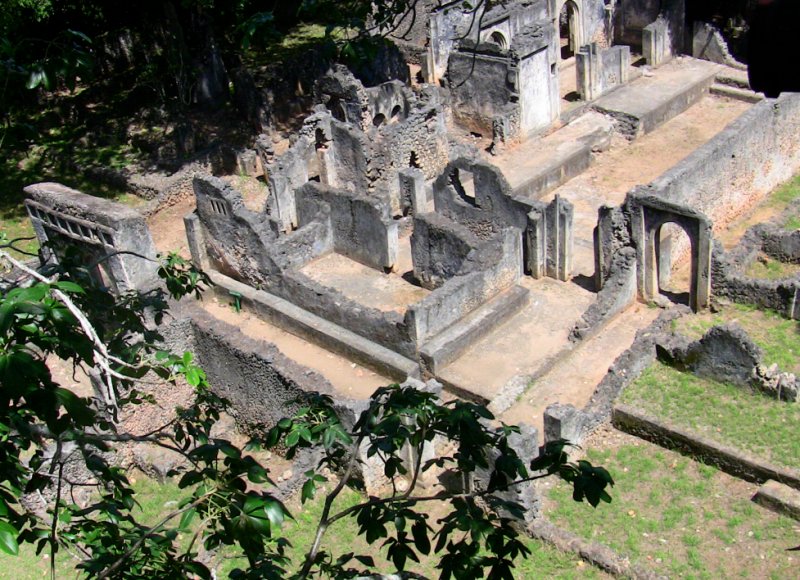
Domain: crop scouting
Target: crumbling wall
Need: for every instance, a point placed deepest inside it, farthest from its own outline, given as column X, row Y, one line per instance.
column 709, row 44
column 262, row 384
column 727, row 354
column 416, row 138
column 235, row 238
column 495, row 269
column 440, row 249
column 448, row 26
column 483, row 83
column 361, row 227
column 728, row 280
column 734, row 170
column 601, row 70
column 489, row 83
column 352, row 153
column 615, row 296
column 631, row 17
column 113, row 238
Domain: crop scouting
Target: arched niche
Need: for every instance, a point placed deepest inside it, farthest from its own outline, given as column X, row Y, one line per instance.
column 499, row 39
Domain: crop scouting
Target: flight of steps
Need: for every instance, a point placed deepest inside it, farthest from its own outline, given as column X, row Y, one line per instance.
column 733, row 84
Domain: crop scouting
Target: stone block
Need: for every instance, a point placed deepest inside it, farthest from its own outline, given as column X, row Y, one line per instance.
column 562, row 421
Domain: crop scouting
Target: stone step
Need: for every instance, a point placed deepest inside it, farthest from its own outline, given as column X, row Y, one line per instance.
column 739, row 94
column 779, row 498
column 733, row 78
column 304, row 324
column 451, row 343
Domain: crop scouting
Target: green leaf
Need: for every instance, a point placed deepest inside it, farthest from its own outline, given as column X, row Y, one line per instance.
column 308, row 491
column 8, row 539
column 186, row 519
column 293, row 438
column 72, row 287
column 276, row 512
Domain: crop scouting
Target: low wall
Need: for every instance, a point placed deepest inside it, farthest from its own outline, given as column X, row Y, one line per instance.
column 728, row 281
column 441, row 249
column 728, row 459
column 260, row 382
column 460, row 295
column 388, row 329
column 618, row 292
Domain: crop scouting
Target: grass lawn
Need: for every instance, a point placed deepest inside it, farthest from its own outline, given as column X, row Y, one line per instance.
column 157, row 498
column 679, row 518
column 777, row 336
column 766, row 268
column 722, row 412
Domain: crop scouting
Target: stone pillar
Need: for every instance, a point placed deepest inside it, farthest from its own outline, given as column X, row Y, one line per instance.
column 656, row 42
column 282, row 201
column 413, row 196
column 327, row 166
column 196, row 239
column 701, row 286
column 526, row 445
column 564, row 422
column 535, row 244
column 586, row 70
column 559, row 239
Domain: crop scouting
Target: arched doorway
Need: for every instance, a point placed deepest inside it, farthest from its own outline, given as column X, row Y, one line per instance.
column 654, row 223
column 569, row 29
column 672, row 243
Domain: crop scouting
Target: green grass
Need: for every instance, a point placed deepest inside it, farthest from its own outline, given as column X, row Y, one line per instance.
column 725, row 413
column 785, row 194
column 767, row 268
column 679, row 518
column 156, row 499
column 793, row 223
column 776, row 335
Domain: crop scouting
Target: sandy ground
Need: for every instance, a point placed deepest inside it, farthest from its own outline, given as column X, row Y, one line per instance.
column 348, row 378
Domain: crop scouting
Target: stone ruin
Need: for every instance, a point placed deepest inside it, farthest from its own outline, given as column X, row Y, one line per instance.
column 440, row 248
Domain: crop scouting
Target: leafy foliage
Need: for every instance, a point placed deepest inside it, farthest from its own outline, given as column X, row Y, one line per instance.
column 45, row 427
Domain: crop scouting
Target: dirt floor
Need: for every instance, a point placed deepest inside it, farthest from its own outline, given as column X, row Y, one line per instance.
column 348, row 378
column 627, row 164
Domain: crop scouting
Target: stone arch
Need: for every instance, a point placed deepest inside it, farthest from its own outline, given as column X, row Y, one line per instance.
column 338, row 109
column 499, row 39
column 569, row 27
column 397, row 114
column 649, row 216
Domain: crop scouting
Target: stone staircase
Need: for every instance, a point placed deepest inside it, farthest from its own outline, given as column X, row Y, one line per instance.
column 733, row 84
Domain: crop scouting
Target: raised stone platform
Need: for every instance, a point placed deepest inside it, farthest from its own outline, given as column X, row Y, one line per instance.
column 649, row 101
column 294, row 319
column 538, row 166
column 448, row 345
